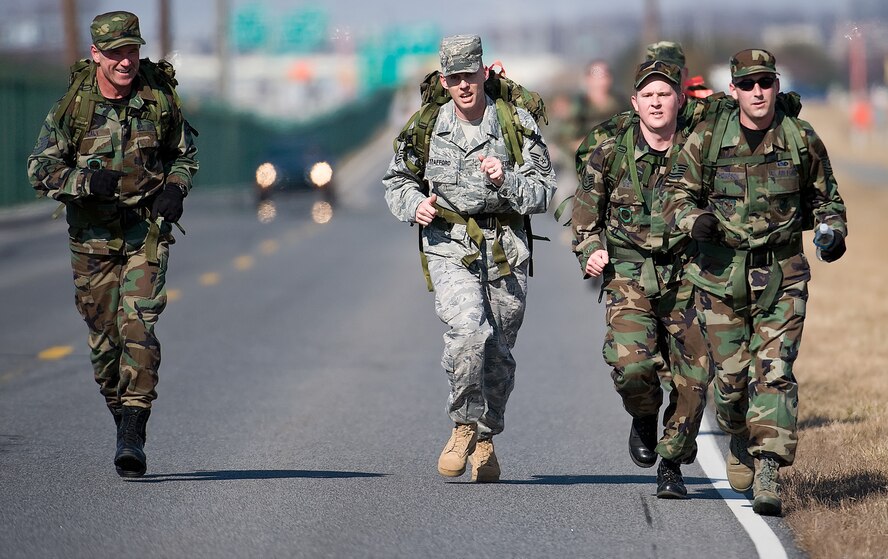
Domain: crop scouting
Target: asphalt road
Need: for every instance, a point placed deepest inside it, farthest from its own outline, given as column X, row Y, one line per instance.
column 301, row 406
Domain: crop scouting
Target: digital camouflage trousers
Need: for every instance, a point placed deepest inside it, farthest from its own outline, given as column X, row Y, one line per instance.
column 483, row 319
column 756, row 393
column 643, row 333
column 120, row 297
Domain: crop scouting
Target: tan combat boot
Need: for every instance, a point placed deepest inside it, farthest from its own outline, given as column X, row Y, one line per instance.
column 485, row 466
column 739, row 465
column 766, row 490
column 452, row 462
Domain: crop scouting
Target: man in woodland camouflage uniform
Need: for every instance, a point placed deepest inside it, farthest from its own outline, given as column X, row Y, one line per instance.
column 122, row 175
column 648, row 299
column 474, row 188
column 670, row 51
column 745, row 186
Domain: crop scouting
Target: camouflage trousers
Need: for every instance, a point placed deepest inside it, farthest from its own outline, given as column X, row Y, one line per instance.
column 120, row 297
column 756, row 393
column 484, row 318
column 643, row 333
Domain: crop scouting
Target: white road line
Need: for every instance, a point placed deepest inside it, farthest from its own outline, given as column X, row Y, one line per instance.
column 767, row 544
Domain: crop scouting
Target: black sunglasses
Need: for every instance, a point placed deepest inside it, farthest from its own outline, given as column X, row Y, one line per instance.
column 747, row 84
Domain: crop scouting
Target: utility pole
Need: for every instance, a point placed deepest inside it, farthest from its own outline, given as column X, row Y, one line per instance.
column 166, row 43
column 650, row 32
column 72, row 39
column 222, row 48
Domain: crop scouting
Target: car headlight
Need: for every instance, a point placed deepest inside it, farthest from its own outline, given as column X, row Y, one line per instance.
column 321, row 174
column 266, row 175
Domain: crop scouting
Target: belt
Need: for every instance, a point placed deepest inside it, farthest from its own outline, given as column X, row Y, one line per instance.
column 648, row 260
column 742, row 260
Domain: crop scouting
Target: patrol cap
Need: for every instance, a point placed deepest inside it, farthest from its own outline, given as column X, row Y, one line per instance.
column 115, row 29
column 667, row 51
column 668, row 70
column 460, row 53
column 753, row 61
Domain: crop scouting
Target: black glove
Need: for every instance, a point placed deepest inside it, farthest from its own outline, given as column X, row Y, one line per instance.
column 103, row 182
column 836, row 250
column 168, row 204
column 706, row 229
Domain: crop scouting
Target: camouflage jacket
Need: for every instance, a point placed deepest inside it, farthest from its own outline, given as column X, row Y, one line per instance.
column 120, row 137
column 453, row 172
column 761, row 206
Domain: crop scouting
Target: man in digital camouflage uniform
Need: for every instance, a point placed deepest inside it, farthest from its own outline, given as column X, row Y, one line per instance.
column 122, row 185
column 471, row 179
column 770, row 178
column 648, row 298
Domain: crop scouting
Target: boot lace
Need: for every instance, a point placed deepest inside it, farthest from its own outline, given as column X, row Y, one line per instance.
column 768, row 475
column 739, row 450
column 463, row 436
column 670, row 471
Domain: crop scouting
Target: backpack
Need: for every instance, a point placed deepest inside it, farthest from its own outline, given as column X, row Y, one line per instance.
column 618, row 127
column 158, row 87
column 507, row 95
column 788, row 106
column 415, row 138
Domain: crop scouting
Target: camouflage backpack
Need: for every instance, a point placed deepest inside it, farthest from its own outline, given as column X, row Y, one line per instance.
column 507, row 95
column 788, row 105
column 620, row 127
column 158, row 90
column 415, row 138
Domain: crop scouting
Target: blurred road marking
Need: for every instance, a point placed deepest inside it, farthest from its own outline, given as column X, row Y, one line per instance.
column 54, row 352
column 269, row 246
column 244, row 262
column 767, row 544
column 210, row 278
column 174, row 294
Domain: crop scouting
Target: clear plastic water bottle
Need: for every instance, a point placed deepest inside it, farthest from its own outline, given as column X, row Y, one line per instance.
column 823, row 239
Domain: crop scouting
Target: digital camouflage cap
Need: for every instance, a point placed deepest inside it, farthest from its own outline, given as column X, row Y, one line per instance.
column 460, row 53
column 752, row 61
column 115, row 29
column 667, row 51
column 669, row 71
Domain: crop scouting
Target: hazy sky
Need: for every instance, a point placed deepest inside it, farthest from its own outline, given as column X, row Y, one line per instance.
column 363, row 16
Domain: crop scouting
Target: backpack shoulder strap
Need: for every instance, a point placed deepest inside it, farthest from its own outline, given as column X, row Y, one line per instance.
column 77, row 106
column 719, row 117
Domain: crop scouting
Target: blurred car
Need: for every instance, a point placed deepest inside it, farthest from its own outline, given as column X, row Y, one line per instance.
column 295, row 167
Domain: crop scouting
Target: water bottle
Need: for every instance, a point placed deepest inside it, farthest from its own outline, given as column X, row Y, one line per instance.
column 823, row 239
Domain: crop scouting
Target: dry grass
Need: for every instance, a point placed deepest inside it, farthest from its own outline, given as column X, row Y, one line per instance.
column 836, row 494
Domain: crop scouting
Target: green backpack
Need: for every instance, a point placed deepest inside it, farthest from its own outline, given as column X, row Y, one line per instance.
column 158, row 89
column 415, row 138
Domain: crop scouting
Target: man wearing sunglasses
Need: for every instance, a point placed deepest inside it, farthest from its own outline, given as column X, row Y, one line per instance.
column 745, row 186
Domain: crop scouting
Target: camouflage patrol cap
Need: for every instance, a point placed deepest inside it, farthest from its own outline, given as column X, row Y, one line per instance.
column 115, row 29
column 671, row 72
column 667, row 51
column 460, row 53
column 752, row 61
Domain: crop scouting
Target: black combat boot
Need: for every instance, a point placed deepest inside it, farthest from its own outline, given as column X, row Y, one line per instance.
column 643, row 440
column 117, row 412
column 130, row 458
column 670, row 484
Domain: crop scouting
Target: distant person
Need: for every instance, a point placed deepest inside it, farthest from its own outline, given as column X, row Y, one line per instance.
column 745, row 186
column 648, row 297
column 670, row 51
column 117, row 152
column 595, row 104
column 470, row 193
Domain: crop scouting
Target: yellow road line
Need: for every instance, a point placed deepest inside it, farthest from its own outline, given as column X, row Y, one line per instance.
column 269, row 246
column 210, row 278
column 55, row 352
column 174, row 294
column 244, row 262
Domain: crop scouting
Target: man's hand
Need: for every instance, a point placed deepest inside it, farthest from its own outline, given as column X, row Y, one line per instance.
column 168, row 204
column 706, row 229
column 597, row 261
column 493, row 168
column 426, row 211
column 103, row 183
column 836, row 250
